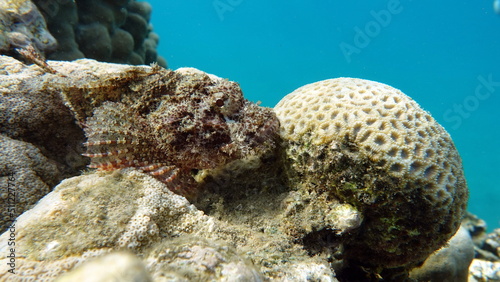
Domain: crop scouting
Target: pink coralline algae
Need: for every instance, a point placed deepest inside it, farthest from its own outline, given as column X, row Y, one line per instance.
column 171, row 124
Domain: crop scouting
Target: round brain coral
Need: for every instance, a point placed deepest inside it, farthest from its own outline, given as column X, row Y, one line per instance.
column 369, row 145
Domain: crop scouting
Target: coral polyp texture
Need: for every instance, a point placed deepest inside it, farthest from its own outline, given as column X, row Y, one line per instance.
column 369, row 145
column 181, row 121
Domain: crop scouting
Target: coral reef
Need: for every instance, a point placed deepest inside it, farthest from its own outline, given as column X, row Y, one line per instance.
column 158, row 120
column 368, row 145
column 26, row 176
column 116, row 266
column 196, row 259
column 204, row 119
column 481, row 270
column 91, row 215
column 187, row 258
column 41, row 144
column 110, row 31
column 250, row 192
column 486, row 263
column 22, row 25
column 345, row 193
column 97, row 213
column 492, row 243
column 23, row 32
column 450, row 263
column 32, row 110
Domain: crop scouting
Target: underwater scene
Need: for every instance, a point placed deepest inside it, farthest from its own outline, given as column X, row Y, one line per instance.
column 236, row 140
column 441, row 53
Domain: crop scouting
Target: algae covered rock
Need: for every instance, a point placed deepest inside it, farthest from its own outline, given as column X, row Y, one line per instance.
column 368, row 145
column 92, row 215
column 192, row 258
column 22, row 25
column 118, row 266
column 26, row 175
column 32, row 110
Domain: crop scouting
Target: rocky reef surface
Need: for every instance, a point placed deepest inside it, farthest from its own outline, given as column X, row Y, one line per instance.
column 188, row 181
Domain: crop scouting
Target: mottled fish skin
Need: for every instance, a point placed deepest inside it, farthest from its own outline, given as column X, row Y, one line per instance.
column 199, row 122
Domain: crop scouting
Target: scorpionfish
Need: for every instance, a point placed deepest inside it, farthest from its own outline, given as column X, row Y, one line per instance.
column 179, row 122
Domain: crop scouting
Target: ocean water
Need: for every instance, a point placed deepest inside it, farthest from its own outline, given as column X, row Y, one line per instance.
column 443, row 54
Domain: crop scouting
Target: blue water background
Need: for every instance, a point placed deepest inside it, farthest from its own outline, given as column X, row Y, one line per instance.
column 437, row 52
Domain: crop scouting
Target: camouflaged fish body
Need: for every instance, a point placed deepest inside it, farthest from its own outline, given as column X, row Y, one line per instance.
column 200, row 122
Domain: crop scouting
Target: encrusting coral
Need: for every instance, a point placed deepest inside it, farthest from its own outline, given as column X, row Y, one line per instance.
column 32, row 110
column 23, row 32
column 91, row 215
column 116, row 266
column 26, row 176
column 40, row 144
column 369, row 145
